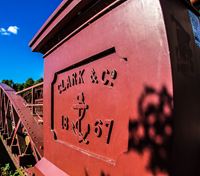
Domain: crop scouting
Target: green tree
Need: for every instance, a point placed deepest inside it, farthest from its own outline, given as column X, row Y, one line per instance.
column 29, row 82
column 38, row 81
column 7, row 171
column 17, row 87
column 8, row 82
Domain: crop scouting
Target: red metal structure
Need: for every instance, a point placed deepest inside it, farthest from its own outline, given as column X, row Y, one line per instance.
column 34, row 100
column 21, row 135
column 120, row 89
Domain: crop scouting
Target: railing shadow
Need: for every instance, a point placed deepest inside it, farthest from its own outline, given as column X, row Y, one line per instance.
column 152, row 130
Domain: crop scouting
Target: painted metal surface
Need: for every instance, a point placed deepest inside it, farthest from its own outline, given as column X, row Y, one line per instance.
column 34, row 100
column 107, row 89
column 185, row 63
column 120, row 89
column 20, row 133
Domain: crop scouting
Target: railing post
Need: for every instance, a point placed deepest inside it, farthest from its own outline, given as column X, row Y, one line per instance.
column 33, row 99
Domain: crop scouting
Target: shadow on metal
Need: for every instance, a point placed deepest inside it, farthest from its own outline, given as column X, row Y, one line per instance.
column 152, row 130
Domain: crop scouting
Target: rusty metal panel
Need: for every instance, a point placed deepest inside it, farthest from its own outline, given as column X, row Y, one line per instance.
column 108, row 97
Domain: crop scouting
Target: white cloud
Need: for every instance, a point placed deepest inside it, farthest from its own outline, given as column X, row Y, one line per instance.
column 13, row 29
column 2, row 30
column 10, row 30
column 5, row 33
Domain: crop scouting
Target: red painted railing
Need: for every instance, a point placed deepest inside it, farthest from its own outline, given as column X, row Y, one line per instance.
column 34, row 100
column 20, row 131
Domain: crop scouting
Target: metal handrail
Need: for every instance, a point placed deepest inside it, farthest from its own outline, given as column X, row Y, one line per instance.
column 29, row 88
column 33, row 96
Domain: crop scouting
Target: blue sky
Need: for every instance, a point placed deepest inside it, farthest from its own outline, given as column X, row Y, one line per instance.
column 19, row 21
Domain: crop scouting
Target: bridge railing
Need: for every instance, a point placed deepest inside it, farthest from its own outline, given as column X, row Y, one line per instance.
column 20, row 133
column 34, row 100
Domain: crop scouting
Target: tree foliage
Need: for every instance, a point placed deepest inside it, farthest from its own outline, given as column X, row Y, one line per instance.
column 20, row 86
column 8, row 82
column 7, row 171
column 29, row 82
